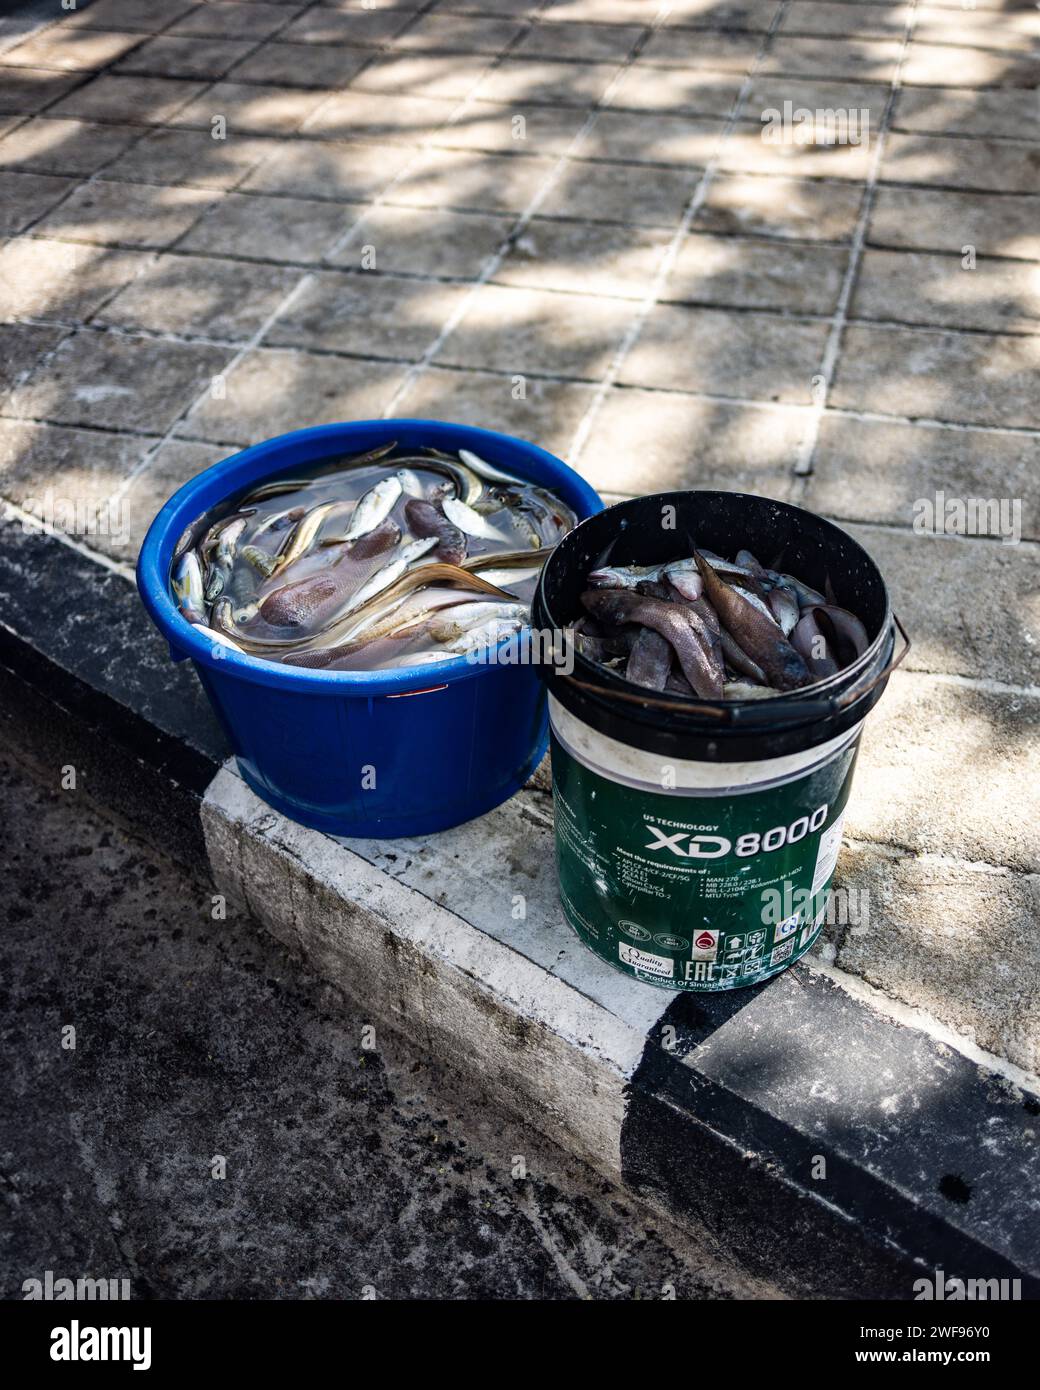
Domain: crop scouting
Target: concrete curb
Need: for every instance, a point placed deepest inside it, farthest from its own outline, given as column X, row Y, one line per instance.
column 818, row 1139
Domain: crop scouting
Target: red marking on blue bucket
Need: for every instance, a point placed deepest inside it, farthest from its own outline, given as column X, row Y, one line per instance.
column 337, row 750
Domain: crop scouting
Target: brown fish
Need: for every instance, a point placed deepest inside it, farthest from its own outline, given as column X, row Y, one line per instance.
column 755, row 630
column 695, row 645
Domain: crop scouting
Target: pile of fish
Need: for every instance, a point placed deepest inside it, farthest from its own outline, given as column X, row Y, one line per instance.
column 719, row 629
column 369, row 562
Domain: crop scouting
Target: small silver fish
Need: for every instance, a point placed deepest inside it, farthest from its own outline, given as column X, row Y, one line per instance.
column 744, row 690
column 451, row 624
column 488, row 471
column 219, row 637
column 374, row 508
column 466, row 519
column 411, row 483
column 188, row 587
column 384, row 577
column 304, row 534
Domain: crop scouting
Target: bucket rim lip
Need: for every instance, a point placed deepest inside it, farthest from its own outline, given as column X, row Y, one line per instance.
column 156, row 555
column 825, row 689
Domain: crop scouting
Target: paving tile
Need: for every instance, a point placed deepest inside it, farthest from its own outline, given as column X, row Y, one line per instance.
column 935, row 931
column 136, row 100
column 537, row 332
column 61, row 279
column 601, row 11
column 370, row 116
column 978, row 28
column 650, row 137
column 873, row 470
column 584, row 42
column 547, row 411
column 813, row 17
column 128, row 16
column 933, row 64
column 198, row 297
column 286, row 65
column 911, row 287
column 457, row 34
column 517, row 80
column 697, row 48
column 170, row 56
column 677, row 91
column 745, row 150
column 863, row 60
column 482, row 125
column 251, row 108
column 67, row 476
column 656, row 441
column 21, row 347
column 585, row 258
column 986, row 165
column 972, row 607
column 368, row 314
column 24, row 198
column 75, row 50
column 455, row 179
column 752, row 15
column 766, row 206
column 257, row 22
column 423, row 241
column 115, row 382
column 937, row 220
column 268, row 228
column 756, row 274
column 372, row 27
column 54, row 146
column 173, row 464
column 630, row 193
column 190, row 157
column 269, row 393
column 726, row 354
column 961, row 111
column 440, row 75
column 929, row 374
column 349, row 170
column 860, row 104
column 27, row 90
column 126, row 214
column 952, row 795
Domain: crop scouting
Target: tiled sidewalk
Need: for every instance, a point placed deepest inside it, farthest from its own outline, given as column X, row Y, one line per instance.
column 563, row 220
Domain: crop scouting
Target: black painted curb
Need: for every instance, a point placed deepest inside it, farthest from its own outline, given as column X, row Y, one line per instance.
column 86, row 682
column 821, row 1143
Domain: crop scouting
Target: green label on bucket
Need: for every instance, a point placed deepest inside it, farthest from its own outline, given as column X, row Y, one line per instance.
column 698, row 892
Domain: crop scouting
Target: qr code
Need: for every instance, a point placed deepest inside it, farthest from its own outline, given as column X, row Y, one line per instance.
column 781, row 952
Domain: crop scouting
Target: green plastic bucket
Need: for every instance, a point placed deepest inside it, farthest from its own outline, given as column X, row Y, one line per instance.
column 696, row 839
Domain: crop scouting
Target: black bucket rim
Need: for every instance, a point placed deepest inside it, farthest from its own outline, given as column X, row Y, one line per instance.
column 722, row 730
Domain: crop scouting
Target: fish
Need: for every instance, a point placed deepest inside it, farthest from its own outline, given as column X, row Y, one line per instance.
column 783, row 604
column 807, row 638
column 376, row 505
column 188, row 587
column 754, row 629
column 504, row 558
column 411, row 483
column 505, row 577
column 738, row 658
column 847, row 635
column 681, row 574
column 260, row 560
column 303, row 535
column 221, row 638
column 488, row 471
column 650, row 660
column 391, row 571
column 471, row 522
column 696, row 647
column 314, row 597
column 428, row 519
column 399, row 617
column 450, row 624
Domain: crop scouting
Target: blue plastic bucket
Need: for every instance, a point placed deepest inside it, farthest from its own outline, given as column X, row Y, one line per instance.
column 364, row 753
